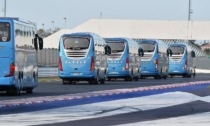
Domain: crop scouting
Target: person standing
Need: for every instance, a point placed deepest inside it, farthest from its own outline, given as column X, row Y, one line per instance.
column 38, row 42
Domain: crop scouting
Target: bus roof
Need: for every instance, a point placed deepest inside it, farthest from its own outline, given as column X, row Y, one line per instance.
column 147, row 41
column 177, row 44
column 117, row 39
column 16, row 19
column 89, row 34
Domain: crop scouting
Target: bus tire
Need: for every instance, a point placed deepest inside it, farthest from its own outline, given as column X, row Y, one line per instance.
column 165, row 77
column 184, row 76
column 108, row 78
column 102, row 81
column 13, row 92
column 157, row 77
column 29, row 91
column 64, row 82
column 136, row 78
column 142, row 77
column 70, row 82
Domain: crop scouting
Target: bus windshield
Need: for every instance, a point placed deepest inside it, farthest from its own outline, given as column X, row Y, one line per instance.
column 148, row 47
column 76, row 43
column 4, row 32
column 117, row 46
column 177, row 50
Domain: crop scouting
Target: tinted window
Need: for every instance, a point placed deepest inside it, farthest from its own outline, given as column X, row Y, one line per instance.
column 4, row 32
column 117, row 46
column 177, row 50
column 76, row 43
column 148, row 47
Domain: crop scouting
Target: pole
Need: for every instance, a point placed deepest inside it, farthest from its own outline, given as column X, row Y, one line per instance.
column 189, row 11
column 65, row 21
column 53, row 25
column 5, row 8
column 43, row 26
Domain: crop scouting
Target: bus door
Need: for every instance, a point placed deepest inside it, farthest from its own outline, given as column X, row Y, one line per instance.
column 6, row 67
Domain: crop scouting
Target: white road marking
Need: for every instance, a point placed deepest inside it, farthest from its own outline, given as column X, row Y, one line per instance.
column 100, row 109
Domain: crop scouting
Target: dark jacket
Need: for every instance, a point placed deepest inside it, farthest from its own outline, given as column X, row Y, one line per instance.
column 38, row 45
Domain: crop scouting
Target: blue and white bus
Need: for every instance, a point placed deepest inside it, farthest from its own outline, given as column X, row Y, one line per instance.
column 83, row 57
column 155, row 60
column 18, row 58
column 124, row 60
column 181, row 61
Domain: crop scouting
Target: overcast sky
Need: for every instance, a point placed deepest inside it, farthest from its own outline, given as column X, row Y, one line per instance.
column 79, row 11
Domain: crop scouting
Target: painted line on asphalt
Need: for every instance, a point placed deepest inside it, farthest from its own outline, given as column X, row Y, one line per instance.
column 99, row 96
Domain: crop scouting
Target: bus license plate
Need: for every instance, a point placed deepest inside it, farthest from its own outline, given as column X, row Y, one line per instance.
column 76, row 74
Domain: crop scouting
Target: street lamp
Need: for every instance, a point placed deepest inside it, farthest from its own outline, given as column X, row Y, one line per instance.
column 5, row 7
column 190, row 10
column 53, row 25
column 43, row 26
column 65, row 21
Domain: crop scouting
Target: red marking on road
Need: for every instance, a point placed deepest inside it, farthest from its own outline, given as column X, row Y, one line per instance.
column 39, row 100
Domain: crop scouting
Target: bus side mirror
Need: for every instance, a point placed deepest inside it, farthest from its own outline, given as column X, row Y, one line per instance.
column 36, row 44
column 192, row 54
column 169, row 52
column 141, row 52
column 40, row 43
column 107, row 50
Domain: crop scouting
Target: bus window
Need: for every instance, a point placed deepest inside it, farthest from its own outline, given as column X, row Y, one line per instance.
column 76, row 43
column 4, row 32
column 117, row 47
column 177, row 50
column 148, row 47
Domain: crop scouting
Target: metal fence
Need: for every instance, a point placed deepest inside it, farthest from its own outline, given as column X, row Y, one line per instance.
column 202, row 63
column 48, row 71
column 48, row 57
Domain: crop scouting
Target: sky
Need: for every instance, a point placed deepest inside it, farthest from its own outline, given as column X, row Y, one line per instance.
column 78, row 11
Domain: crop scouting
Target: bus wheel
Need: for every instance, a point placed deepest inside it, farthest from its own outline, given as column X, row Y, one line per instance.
column 184, row 75
column 189, row 76
column 157, row 77
column 128, row 79
column 29, row 91
column 142, row 77
column 93, row 82
column 102, row 81
column 109, row 79
column 13, row 92
column 165, row 77
column 136, row 78
column 96, row 80
column 64, row 82
column 194, row 74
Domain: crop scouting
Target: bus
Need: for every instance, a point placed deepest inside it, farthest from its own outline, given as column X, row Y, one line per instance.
column 155, row 61
column 181, row 61
column 124, row 61
column 18, row 56
column 83, row 57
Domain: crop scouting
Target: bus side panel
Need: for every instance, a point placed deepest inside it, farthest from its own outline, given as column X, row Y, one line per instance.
column 7, row 58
